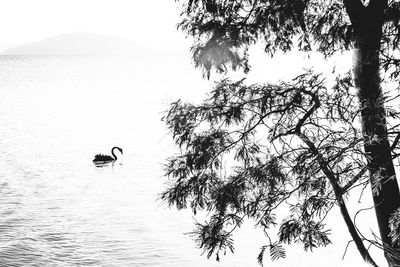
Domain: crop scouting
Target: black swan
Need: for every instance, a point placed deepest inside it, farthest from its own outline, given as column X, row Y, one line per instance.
column 100, row 158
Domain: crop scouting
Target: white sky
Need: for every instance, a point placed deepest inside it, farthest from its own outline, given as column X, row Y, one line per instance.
column 145, row 22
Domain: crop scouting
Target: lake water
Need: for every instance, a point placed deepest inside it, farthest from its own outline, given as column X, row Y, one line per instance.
column 58, row 209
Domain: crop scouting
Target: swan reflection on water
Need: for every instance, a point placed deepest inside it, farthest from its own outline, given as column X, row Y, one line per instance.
column 101, row 159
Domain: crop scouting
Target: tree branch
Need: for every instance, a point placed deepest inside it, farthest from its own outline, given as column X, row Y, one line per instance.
column 354, row 180
column 396, row 140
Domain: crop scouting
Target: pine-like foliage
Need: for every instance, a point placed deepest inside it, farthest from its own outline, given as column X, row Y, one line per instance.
column 223, row 30
column 251, row 151
column 292, row 144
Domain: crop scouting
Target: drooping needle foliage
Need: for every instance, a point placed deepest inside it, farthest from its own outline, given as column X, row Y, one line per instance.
column 255, row 151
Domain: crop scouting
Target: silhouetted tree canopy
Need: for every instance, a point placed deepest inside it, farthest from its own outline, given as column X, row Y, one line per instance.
column 305, row 143
column 223, row 30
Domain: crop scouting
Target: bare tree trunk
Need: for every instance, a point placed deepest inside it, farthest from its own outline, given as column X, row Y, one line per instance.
column 368, row 22
column 376, row 144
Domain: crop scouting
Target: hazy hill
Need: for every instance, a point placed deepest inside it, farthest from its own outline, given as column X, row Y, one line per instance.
column 79, row 44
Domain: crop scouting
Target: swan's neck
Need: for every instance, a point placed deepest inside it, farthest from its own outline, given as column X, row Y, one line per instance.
column 113, row 154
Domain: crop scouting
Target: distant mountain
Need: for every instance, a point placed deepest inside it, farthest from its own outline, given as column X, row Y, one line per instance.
column 79, row 44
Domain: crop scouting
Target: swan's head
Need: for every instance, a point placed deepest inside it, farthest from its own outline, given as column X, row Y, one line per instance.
column 117, row 148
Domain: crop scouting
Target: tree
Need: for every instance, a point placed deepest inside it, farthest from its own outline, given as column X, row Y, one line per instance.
column 305, row 143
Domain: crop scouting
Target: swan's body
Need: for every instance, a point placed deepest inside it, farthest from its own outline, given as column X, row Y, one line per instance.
column 100, row 158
